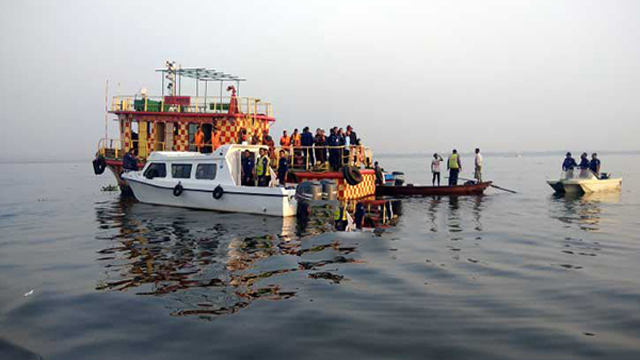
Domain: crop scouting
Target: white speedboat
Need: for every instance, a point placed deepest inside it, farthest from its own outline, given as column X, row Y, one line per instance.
column 208, row 181
column 584, row 181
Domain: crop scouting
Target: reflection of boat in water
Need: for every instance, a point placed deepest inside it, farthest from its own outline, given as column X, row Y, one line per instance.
column 584, row 210
column 465, row 189
column 584, row 181
column 208, row 181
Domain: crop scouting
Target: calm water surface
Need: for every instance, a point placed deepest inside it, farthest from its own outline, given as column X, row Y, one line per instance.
column 87, row 275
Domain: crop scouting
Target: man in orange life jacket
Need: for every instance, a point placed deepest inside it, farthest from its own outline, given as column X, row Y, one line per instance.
column 199, row 139
column 215, row 138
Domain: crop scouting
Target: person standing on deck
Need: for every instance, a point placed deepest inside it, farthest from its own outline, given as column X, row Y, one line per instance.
column 263, row 169
column 594, row 165
column 267, row 140
column 320, row 141
column 454, row 166
column 199, row 139
column 129, row 161
column 215, row 139
column 248, row 165
column 306, row 140
column 283, row 167
column 334, row 151
column 584, row 161
column 569, row 163
column 379, row 174
column 478, row 163
column 285, row 140
column 435, row 168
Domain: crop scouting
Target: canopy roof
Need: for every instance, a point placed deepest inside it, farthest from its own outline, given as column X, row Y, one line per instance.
column 204, row 74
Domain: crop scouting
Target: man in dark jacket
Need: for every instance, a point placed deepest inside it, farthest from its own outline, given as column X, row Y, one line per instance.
column 306, row 140
column 248, row 164
column 129, row 161
column 353, row 137
column 283, row 167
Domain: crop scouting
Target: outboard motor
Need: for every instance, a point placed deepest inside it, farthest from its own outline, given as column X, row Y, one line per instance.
column 309, row 190
column 398, row 177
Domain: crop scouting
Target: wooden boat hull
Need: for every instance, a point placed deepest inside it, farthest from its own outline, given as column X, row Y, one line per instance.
column 475, row 189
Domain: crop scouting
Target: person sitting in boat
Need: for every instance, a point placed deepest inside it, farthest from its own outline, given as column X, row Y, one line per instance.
column 263, row 168
column 247, row 168
column 435, row 168
column 594, row 165
column 129, row 161
column 267, row 140
column 283, row 167
column 198, row 139
column 569, row 163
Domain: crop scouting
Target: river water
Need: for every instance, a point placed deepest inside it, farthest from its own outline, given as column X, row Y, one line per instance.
column 87, row 275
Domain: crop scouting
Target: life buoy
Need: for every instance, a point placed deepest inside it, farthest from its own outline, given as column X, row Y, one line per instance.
column 177, row 190
column 99, row 164
column 352, row 175
column 218, row 192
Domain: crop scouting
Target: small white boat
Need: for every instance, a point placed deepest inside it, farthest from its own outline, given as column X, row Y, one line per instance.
column 584, row 181
column 208, row 181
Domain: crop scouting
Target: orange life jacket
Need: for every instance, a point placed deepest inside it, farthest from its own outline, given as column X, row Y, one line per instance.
column 296, row 140
column 199, row 138
column 215, row 140
column 285, row 141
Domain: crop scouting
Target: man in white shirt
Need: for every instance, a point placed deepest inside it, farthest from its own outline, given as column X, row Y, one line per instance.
column 478, row 172
column 435, row 169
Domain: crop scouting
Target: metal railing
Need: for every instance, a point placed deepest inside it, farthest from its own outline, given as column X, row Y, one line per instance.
column 324, row 158
column 197, row 104
column 114, row 148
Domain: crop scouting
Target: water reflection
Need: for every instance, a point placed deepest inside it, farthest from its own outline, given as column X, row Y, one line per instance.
column 207, row 263
column 456, row 208
column 584, row 211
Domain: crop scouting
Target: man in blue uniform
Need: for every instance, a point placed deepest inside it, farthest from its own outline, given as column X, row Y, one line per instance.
column 283, row 167
column 306, row 140
column 594, row 165
column 584, row 161
column 569, row 163
column 248, row 165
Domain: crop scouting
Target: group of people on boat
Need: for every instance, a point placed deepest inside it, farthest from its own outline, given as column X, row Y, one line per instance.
column 337, row 148
column 454, row 166
column 256, row 171
column 593, row 165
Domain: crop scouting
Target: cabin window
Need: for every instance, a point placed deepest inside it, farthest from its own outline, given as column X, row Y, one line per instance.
column 180, row 171
column 155, row 170
column 206, row 171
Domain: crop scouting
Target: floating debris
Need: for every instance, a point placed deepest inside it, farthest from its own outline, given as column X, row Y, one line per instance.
column 328, row 276
column 109, row 188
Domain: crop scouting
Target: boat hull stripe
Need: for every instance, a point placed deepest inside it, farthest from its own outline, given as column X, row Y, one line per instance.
column 207, row 191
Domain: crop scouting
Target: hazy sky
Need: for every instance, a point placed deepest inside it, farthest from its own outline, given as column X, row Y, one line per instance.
column 410, row 76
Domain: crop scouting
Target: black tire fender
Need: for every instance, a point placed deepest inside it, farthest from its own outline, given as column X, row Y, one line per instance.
column 177, row 190
column 352, row 175
column 99, row 165
column 218, row 192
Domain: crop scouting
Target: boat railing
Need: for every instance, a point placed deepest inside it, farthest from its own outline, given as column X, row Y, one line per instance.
column 111, row 148
column 318, row 158
column 577, row 174
column 191, row 104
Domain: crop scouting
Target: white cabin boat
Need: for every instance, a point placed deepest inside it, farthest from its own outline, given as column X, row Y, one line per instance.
column 208, row 181
column 584, row 181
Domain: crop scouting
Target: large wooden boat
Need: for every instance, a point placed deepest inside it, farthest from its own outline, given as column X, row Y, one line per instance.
column 169, row 122
column 466, row 189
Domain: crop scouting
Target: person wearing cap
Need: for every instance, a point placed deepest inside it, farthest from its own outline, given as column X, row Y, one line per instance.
column 263, row 168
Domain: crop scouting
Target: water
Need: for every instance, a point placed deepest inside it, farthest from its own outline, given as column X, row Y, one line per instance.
column 500, row 276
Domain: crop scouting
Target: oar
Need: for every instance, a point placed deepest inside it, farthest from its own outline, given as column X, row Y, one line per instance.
column 493, row 186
